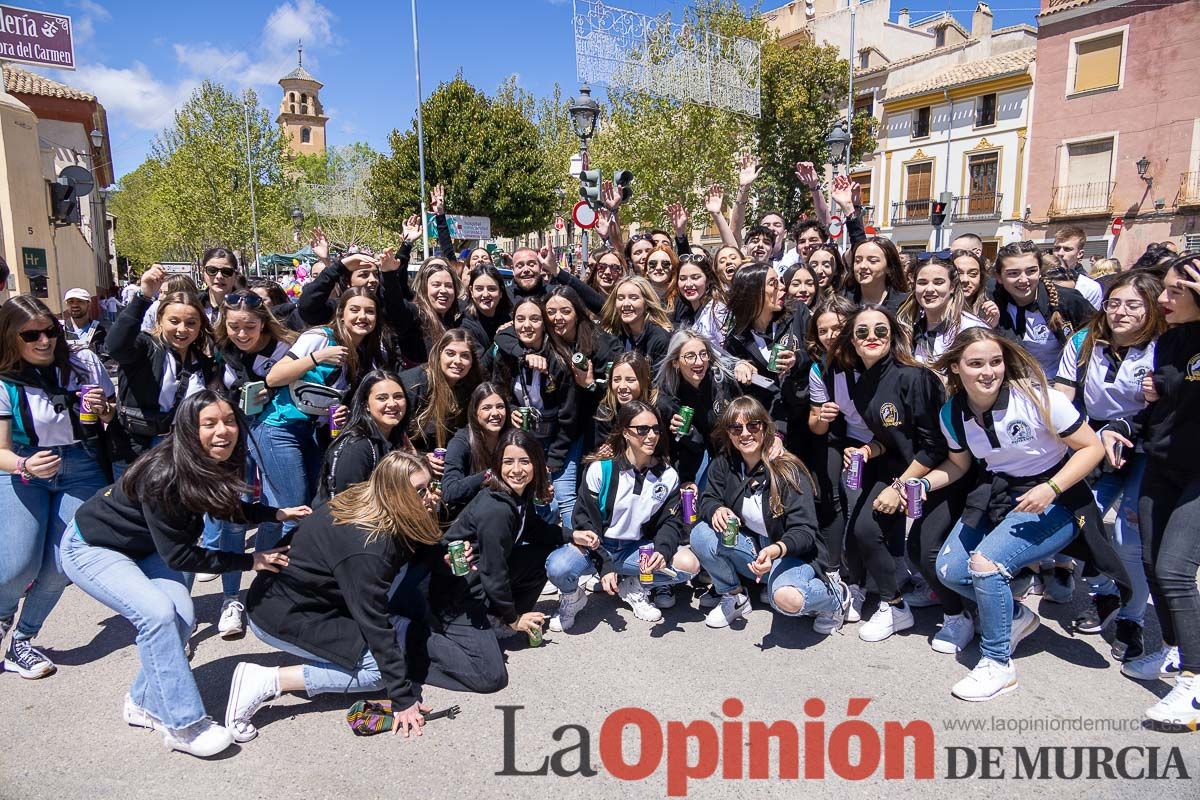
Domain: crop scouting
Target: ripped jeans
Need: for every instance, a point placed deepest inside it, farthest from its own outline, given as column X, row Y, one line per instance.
column 1018, row 540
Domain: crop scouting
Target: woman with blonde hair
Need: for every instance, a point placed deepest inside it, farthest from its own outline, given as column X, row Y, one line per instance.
column 330, row 606
column 634, row 315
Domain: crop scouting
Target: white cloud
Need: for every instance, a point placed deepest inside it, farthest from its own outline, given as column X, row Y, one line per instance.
column 305, row 20
column 84, row 22
column 133, row 92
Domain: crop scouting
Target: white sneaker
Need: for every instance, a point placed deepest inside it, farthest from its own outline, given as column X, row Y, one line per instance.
column 710, row 598
column 1163, row 663
column 568, row 606
column 1181, row 706
column 138, row 717
column 590, row 583
column 857, row 598
column 987, row 681
column 549, row 589
column 233, row 619
column 1024, row 623
column 631, row 591
column 201, row 739
column 252, row 686
column 205, row 577
column 731, row 607
column 956, row 633
column 887, row 620
column 827, row 622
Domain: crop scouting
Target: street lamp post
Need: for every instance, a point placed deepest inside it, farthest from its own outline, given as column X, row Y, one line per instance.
column 584, row 111
column 838, row 141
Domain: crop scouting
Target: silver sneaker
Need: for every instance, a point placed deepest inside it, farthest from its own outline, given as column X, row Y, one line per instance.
column 633, row 593
column 568, row 606
column 957, row 632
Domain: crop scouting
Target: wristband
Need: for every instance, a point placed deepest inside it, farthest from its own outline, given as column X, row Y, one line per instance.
column 313, row 356
column 928, row 486
column 1054, row 486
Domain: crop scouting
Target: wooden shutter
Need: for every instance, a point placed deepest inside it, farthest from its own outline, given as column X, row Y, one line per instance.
column 1098, row 62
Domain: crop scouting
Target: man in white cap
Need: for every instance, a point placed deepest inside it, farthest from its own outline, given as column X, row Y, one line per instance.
column 81, row 330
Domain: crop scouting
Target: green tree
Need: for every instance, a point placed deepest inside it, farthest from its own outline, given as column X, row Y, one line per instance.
column 193, row 191
column 333, row 195
column 485, row 152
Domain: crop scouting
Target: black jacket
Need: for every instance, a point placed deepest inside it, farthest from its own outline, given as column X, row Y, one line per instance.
column 653, row 343
column 416, row 391
column 592, row 300
column 900, row 405
column 491, row 522
column 352, row 458
column 784, row 398
column 1077, row 311
column 331, row 600
column 796, row 527
column 891, row 301
column 460, row 482
column 110, row 519
column 559, row 423
column 1172, row 434
column 140, row 358
column 707, row 401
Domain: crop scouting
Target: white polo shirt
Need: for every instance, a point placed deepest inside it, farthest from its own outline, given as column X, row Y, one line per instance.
column 637, row 499
column 856, row 427
column 1012, row 437
column 51, row 421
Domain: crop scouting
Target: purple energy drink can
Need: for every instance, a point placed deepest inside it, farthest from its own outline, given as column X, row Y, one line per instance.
column 645, row 552
column 854, row 471
column 689, row 506
column 912, row 497
column 439, row 452
column 334, row 430
column 86, row 415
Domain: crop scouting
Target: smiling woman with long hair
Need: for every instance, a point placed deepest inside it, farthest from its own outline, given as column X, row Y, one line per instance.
column 130, row 545
column 376, row 427
column 470, row 454
column 51, row 463
column 329, row 608
column 634, row 315
column 874, row 274
column 438, row 391
column 936, row 309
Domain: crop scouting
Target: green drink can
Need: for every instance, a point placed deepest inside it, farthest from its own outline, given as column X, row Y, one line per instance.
column 685, row 413
column 776, row 349
column 458, row 558
column 729, row 536
column 535, row 637
column 526, row 417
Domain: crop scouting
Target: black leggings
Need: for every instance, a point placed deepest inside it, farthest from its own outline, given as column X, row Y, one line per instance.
column 824, row 460
column 1170, row 521
column 942, row 512
column 875, row 537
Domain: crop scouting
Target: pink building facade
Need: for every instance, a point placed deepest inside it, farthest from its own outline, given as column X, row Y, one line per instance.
column 1116, row 124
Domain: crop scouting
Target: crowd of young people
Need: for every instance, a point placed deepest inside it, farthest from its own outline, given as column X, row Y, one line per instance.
column 798, row 429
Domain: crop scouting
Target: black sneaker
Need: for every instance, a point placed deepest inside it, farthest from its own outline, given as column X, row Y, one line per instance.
column 1099, row 610
column 1127, row 643
column 662, row 597
column 26, row 660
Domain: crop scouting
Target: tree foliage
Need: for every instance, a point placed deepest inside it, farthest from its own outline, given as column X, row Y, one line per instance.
column 486, row 152
column 193, row 191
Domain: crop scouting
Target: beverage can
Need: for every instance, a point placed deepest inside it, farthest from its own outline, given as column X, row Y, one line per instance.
column 912, row 497
column 685, row 413
column 644, row 554
column 854, row 471
column 334, row 429
column 439, row 452
column 776, row 349
column 435, row 485
column 86, row 415
column 579, row 361
column 689, row 506
column 458, row 558
column 730, row 534
column 526, row 417
column 535, row 636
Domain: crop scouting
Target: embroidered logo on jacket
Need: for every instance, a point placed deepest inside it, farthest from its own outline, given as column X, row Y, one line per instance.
column 1194, row 368
column 889, row 415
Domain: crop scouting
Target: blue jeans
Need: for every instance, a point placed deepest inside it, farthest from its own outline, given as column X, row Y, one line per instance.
column 321, row 677
column 230, row 537
column 724, row 564
column 798, row 574
column 566, row 482
column 1126, row 486
column 156, row 600
column 290, row 461
column 1020, row 539
column 35, row 514
column 119, row 467
column 566, row 565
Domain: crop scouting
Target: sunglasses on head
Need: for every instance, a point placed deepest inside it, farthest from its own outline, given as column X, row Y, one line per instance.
column 247, row 299
column 226, row 272
column 645, row 430
column 943, row 255
column 693, row 258
column 29, row 337
column 754, row 426
column 640, row 237
column 862, row 332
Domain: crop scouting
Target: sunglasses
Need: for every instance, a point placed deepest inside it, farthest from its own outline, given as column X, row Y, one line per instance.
column 645, row 430
column 247, row 299
column 754, row 426
column 640, row 237
column 943, row 255
column 693, row 258
column 862, row 332
column 29, row 337
column 226, row 272
column 663, row 266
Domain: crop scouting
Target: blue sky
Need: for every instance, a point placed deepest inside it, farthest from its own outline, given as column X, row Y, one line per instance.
column 143, row 58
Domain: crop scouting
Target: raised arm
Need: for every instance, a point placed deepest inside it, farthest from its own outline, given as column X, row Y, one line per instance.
column 714, row 203
column 748, row 171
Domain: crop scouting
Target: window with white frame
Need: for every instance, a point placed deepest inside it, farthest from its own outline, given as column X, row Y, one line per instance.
column 1095, row 62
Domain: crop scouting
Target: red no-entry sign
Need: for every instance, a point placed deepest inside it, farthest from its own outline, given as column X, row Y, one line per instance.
column 1118, row 225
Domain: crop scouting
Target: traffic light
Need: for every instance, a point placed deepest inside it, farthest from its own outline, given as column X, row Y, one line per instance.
column 589, row 187
column 621, row 180
column 64, row 204
column 937, row 214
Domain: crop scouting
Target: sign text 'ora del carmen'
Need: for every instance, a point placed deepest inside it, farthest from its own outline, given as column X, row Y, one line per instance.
column 34, row 37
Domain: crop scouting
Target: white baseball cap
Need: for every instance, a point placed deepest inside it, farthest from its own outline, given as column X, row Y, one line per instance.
column 78, row 294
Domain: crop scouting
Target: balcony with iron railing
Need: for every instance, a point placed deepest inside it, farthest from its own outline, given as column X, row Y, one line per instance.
column 1082, row 199
column 912, row 212
column 1189, row 190
column 979, row 206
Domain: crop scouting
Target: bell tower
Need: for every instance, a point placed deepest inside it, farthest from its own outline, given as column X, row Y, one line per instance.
column 300, row 111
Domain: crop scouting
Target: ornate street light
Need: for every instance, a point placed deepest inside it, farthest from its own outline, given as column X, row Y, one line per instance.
column 838, row 141
column 584, row 111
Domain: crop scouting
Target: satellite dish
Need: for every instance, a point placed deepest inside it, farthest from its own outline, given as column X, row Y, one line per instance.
column 79, row 178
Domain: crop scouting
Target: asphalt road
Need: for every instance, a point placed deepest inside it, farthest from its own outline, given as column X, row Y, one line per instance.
column 64, row 736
